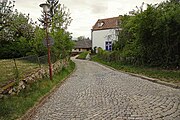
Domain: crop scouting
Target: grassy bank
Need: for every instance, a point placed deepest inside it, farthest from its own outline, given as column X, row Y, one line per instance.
column 83, row 55
column 164, row 75
column 15, row 106
column 8, row 70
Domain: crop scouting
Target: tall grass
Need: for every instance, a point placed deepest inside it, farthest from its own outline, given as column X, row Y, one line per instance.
column 13, row 107
column 10, row 69
column 7, row 70
column 164, row 75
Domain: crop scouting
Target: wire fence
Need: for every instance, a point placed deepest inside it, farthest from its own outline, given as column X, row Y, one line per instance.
column 14, row 69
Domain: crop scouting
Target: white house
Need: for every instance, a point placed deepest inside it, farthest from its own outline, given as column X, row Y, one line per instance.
column 104, row 33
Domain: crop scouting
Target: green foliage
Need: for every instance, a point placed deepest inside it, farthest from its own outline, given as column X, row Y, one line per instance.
column 14, row 107
column 83, row 55
column 19, row 36
column 81, row 38
column 5, row 13
column 37, row 47
column 63, row 40
column 15, row 33
column 152, row 36
column 53, row 7
column 63, row 44
column 61, row 19
column 164, row 75
column 104, row 54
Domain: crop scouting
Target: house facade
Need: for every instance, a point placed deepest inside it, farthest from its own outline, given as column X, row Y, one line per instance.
column 105, row 32
column 82, row 46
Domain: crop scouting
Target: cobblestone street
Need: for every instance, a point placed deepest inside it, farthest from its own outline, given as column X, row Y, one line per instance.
column 95, row 92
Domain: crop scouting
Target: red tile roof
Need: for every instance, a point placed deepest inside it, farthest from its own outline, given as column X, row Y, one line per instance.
column 108, row 23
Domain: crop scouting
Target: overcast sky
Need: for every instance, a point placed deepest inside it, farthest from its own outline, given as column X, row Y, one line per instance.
column 84, row 12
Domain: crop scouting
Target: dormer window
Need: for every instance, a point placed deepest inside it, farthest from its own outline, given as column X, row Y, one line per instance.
column 100, row 24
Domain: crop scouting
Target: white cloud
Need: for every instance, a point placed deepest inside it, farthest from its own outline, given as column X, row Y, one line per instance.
column 85, row 12
column 29, row 6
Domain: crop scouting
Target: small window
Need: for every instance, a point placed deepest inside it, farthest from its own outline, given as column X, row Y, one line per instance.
column 108, row 45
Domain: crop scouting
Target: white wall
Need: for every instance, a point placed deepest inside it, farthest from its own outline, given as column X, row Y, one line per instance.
column 100, row 36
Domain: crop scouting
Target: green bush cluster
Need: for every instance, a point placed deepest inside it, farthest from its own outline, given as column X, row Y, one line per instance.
column 151, row 37
column 20, row 36
column 115, row 56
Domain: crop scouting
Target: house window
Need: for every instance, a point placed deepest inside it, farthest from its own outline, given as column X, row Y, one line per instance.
column 108, row 45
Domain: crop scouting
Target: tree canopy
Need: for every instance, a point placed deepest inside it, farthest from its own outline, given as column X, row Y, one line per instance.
column 152, row 36
column 20, row 36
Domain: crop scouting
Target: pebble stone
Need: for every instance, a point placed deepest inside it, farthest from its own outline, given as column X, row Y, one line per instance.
column 95, row 92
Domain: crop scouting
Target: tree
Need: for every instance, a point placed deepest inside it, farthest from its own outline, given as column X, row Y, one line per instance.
column 81, row 38
column 63, row 40
column 152, row 36
column 16, row 32
column 61, row 19
column 6, row 10
column 58, row 21
column 19, row 35
column 53, row 7
column 37, row 43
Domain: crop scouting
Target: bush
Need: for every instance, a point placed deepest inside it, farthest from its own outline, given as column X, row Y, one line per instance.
column 151, row 37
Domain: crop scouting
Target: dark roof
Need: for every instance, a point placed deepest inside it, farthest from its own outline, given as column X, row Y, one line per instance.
column 83, row 44
column 107, row 23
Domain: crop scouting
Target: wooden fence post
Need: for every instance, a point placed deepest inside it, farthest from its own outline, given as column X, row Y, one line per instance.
column 16, row 69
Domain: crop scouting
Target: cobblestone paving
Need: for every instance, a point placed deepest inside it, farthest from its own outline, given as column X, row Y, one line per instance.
column 95, row 92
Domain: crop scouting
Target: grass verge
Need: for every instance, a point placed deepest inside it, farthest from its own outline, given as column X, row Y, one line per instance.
column 83, row 55
column 9, row 72
column 171, row 76
column 14, row 107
